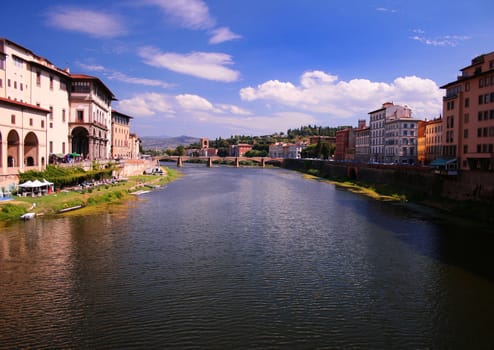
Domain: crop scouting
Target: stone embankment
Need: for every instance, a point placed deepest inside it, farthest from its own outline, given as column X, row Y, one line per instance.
column 421, row 181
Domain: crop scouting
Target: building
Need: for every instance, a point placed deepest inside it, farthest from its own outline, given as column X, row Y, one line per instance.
column 90, row 117
column 47, row 112
column 345, row 144
column 468, row 116
column 22, row 137
column 120, row 142
column 378, row 119
column 400, row 141
column 433, row 140
column 33, row 81
column 286, row 150
column 240, row 149
column 135, row 146
column 362, row 148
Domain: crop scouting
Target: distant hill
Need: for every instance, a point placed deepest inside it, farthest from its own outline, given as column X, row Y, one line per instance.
column 165, row 142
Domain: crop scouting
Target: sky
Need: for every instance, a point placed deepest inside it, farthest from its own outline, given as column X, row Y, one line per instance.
column 218, row 68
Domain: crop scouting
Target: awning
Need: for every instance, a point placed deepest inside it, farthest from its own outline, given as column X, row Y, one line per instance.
column 442, row 162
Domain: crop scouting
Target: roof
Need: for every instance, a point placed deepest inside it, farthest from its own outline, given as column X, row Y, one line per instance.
column 122, row 114
column 90, row 77
column 23, row 105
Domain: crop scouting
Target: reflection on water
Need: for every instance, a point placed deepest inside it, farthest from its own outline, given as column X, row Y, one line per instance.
column 246, row 258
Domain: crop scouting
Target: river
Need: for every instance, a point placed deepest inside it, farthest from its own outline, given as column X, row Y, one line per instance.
column 247, row 258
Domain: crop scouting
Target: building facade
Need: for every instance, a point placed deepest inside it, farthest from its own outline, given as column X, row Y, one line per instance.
column 47, row 112
column 377, row 120
column 120, row 142
column 362, row 145
column 468, row 116
column 433, row 139
column 90, row 130
column 345, row 144
column 286, row 150
column 400, row 145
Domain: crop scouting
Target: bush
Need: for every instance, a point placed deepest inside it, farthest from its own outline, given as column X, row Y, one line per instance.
column 11, row 211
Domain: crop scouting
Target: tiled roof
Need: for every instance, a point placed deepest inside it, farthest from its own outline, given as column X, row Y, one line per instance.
column 23, row 104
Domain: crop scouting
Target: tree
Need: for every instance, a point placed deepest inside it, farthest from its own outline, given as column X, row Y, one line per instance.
column 180, row 150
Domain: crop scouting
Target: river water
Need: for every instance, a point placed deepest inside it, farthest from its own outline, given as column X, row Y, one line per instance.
column 247, row 258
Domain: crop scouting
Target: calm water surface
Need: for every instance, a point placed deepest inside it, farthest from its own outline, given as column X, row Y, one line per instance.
column 247, row 259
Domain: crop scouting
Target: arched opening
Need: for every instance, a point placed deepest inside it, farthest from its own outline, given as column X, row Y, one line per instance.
column 80, row 141
column 13, row 149
column 31, row 148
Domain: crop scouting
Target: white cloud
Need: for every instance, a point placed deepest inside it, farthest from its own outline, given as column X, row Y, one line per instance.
column 383, row 9
column 94, row 23
column 226, row 108
column 205, row 65
column 192, row 14
column 323, row 93
column 147, row 105
column 193, row 102
column 222, row 34
column 442, row 41
column 119, row 76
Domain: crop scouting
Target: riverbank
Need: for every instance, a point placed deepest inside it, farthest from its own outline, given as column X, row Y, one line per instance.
column 61, row 201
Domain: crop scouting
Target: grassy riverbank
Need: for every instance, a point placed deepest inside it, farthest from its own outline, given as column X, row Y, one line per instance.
column 104, row 193
column 360, row 189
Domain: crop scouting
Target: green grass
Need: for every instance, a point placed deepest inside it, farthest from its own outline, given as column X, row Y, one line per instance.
column 51, row 204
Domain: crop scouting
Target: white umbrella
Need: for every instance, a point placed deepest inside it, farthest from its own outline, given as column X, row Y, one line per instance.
column 27, row 184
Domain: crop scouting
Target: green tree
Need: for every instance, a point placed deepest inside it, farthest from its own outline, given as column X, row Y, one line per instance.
column 180, row 150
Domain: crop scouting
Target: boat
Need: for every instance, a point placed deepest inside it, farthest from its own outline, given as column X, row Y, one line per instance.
column 28, row 216
column 75, row 207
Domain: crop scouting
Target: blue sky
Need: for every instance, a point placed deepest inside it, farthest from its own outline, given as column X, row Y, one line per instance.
column 211, row 68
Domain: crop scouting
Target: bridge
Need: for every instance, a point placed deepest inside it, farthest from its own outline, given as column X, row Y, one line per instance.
column 262, row 161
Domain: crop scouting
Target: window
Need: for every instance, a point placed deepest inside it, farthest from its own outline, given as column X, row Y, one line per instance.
column 63, row 116
column 51, row 125
column 479, row 116
column 465, row 133
column 465, row 148
column 38, row 78
column 491, row 114
column 63, row 147
column 1, row 83
column 80, row 116
column 51, row 82
column 51, row 112
column 15, row 84
column 51, row 146
column 12, row 119
column 42, row 124
column 485, row 132
column 8, row 82
column 2, row 61
column 467, row 86
column 467, row 102
column 479, row 132
column 479, row 148
column 481, row 99
column 30, row 121
column 22, row 87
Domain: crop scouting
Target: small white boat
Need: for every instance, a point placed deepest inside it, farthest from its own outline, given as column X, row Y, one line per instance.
column 28, row 216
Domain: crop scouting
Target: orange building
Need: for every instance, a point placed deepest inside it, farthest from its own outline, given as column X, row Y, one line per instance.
column 468, row 116
column 121, row 146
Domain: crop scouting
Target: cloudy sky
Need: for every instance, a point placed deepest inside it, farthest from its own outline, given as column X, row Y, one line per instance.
column 210, row 68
